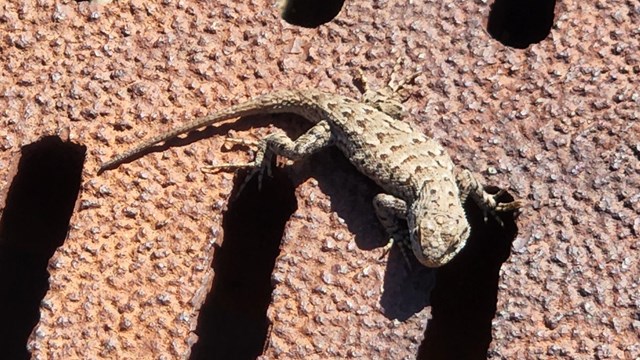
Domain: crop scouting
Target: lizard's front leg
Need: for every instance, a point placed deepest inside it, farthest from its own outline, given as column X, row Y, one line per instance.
column 391, row 212
column 469, row 185
column 316, row 138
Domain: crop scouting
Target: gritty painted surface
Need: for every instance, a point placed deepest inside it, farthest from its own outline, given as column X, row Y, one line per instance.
column 556, row 124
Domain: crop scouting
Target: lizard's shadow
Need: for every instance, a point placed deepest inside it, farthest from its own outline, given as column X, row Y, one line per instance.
column 465, row 296
column 462, row 294
column 351, row 193
column 405, row 291
column 242, row 124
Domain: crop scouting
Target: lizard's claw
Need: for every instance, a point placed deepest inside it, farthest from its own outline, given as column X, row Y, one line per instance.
column 510, row 206
column 485, row 214
column 230, row 139
column 492, row 208
column 398, row 84
column 360, row 81
column 257, row 168
column 260, row 170
column 387, row 248
column 210, row 169
column 404, row 247
column 500, row 207
column 391, row 97
column 260, row 164
column 237, row 141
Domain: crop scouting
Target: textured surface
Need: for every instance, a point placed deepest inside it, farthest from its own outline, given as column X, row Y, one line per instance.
column 556, row 124
column 422, row 200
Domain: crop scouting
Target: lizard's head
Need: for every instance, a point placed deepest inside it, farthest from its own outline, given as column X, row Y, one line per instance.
column 437, row 232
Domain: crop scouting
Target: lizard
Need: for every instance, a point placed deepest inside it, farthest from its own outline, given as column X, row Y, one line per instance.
column 421, row 207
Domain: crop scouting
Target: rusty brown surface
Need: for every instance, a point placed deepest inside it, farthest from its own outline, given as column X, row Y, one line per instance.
column 556, row 124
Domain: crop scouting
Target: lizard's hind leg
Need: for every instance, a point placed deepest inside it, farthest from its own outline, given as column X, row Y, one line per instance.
column 316, row 138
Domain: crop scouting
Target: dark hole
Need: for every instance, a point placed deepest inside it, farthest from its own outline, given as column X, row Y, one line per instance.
column 464, row 298
column 310, row 13
column 520, row 23
column 34, row 223
column 233, row 322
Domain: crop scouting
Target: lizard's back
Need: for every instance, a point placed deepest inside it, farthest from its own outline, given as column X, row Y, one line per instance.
column 389, row 151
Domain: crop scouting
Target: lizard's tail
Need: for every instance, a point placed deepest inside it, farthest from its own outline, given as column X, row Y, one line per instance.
column 279, row 102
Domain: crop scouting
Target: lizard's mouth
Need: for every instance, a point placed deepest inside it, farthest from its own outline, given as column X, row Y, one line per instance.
column 435, row 257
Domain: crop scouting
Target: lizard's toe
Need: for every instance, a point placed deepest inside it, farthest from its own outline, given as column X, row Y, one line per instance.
column 387, row 248
column 510, row 206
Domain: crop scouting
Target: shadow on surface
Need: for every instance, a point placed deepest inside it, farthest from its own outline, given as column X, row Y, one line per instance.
column 310, row 13
column 219, row 129
column 34, row 223
column 241, row 292
column 520, row 23
column 405, row 292
column 233, row 320
column 465, row 295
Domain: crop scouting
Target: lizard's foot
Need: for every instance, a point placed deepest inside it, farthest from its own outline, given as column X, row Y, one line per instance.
column 399, row 87
column 390, row 98
column 489, row 206
column 403, row 245
column 230, row 139
column 210, row 169
column 256, row 169
column 238, row 141
column 260, row 165
column 360, row 81
column 509, row 206
column 470, row 186
column 496, row 207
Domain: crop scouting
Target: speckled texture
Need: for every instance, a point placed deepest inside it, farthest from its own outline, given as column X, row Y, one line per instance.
column 556, row 124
